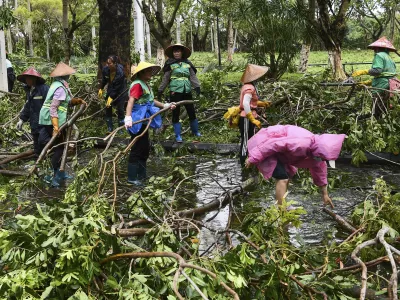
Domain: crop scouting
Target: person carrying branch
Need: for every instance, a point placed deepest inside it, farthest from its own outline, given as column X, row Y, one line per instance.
column 249, row 101
column 180, row 76
column 113, row 75
column 141, row 105
column 277, row 151
column 53, row 115
column 36, row 92
column 383, row 70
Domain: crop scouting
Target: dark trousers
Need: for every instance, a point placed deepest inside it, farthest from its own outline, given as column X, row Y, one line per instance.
column 141, row 149
column 36, row 146
column 246, row 132
column 120, row 106
column 45, row 134
column 176, row 97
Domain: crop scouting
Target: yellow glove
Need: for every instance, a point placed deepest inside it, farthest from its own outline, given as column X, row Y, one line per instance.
column 366, row 82
column 359, row 73
column 100, row 94
column 54, row 121
column 76, row 101
column 253, row 120
column 233, row 116
column 263, row 104
column 109, row 100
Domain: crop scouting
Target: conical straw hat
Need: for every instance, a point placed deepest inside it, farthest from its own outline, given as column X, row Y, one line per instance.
column 253, row 72
column 142, row 66
column 62, row 70
column 186, row 52
column 31, row 72
column 383, row 42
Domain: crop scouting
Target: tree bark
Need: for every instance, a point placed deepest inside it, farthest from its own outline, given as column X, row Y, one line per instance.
column 178, row 29
column 230, row 39
column 29, row 30
column 304, row 55
column 114, row 36
column 335, row 60
column 215, row 37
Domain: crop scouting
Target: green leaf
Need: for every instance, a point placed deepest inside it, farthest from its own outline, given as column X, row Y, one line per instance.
column 46, row 292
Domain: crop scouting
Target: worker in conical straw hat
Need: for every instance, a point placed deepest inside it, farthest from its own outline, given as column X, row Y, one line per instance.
column 141, row 105
column 383, row 70
column 249, row 101
column 36, row 92
column 53, row 115
column 180, row 77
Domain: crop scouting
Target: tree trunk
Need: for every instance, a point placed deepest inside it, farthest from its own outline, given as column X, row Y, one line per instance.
column 29, row 30
column 115, row 36
column 234, row 41
column 138, row 30
column 93, row 41
column 148, row 39
column 230, row 39
column 3, row 68
column 215, row 37
column 304, row 55
column 48, row 47
column 67, row 42
column 212, row 37
column 191, row 34
column 8, row 35
column 335, row 60
column 160, row 56
column 178, row 29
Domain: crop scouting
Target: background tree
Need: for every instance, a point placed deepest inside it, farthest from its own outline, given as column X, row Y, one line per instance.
column 114, row 31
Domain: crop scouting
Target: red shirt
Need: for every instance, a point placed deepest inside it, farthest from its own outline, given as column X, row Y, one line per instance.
column 136, row 91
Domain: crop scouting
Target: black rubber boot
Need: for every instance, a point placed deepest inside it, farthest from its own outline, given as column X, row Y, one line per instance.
column 133, row 172
column 142, row 170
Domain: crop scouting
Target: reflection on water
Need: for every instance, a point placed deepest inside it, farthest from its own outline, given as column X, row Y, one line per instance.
column 214, row 176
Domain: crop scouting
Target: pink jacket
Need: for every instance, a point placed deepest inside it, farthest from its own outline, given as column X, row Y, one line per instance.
column 295, row 147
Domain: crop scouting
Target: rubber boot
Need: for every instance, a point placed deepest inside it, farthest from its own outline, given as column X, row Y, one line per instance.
column 109, row 124
column 133, row 172
column 142, row 170
column 55, row 181
column 62, row 175
column 194, row 126
column 177, row 130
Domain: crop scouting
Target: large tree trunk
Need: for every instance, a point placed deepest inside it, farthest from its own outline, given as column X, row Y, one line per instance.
column 48, row 47
column 148, row 38
column 115, row 36
column 67, row 42
column 230, row 39
column 335, row 60
column 160, row 56
column 304, row 55
column 178, row 29
column 93, row 41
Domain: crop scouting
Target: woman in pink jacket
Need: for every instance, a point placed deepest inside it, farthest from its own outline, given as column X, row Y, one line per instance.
column 277, row 151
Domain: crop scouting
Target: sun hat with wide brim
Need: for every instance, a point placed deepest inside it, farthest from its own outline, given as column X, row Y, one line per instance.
column 31, row 72
column 383, row 42
column 186, row 52
column 62, row 69
column 253, row 72
column 143, row 66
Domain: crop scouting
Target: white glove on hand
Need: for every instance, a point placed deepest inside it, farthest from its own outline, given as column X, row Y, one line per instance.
column 19, row 124
column 167, row 105
column 128, row 122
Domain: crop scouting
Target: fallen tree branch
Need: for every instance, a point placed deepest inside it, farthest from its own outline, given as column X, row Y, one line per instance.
column 53, row 138
column 12, row 173
column 340, row 220
column 307, row 288
column 18, row 156
column 182, row 265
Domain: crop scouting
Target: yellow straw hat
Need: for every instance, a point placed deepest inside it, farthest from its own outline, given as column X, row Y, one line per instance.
column 62, row 70
column 253, row 72
column 142, row 66
column 186, row 52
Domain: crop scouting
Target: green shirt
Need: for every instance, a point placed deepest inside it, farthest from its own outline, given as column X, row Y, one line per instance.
column 44, row 117
column 147, row 95
column 180, row 78
column 383, row 61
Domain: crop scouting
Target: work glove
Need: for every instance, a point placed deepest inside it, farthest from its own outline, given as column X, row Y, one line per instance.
column 366, row 82
column 263, row 104
column 100, row 94
column 253, row 120
column 54, row 121
column 128, row 121
column 109, row 100
column 197, row 90
column 359, row 73
column 76, row 101
column 19, row 124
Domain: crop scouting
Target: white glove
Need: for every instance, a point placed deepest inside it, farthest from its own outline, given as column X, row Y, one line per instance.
column 128, row 121
column 167, row 105
column 19, row 124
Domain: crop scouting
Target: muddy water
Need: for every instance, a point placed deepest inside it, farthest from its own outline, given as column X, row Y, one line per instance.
column 213, row 176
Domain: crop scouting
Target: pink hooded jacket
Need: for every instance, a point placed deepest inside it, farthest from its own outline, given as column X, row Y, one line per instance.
column 295, row 147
